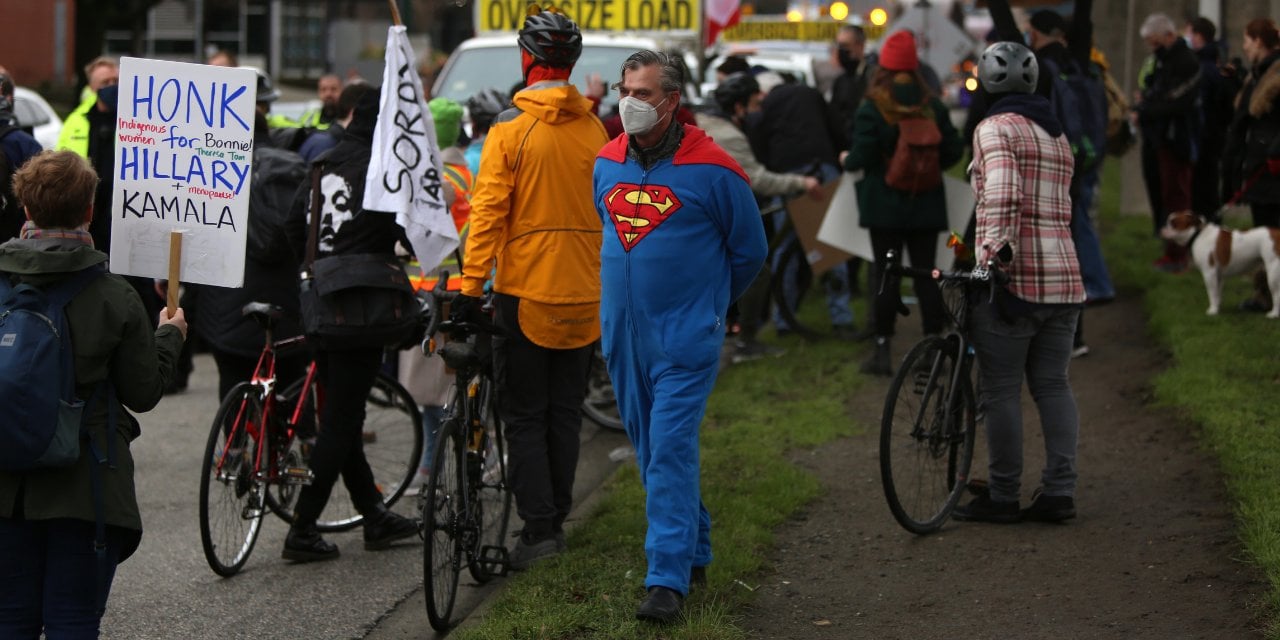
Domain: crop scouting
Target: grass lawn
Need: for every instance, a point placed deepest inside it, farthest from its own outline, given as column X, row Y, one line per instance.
column 1224, row 377
column 758, row 411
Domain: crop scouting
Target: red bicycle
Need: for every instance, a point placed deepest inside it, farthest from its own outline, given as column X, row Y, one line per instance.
column 259, row 445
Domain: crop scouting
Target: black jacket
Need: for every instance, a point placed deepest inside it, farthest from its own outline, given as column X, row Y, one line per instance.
column 1169, row 113
column 847, row 92
column 794, row 129
column 1254, row 135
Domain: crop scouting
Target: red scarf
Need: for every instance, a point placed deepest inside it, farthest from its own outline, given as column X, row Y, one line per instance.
column 535, row 72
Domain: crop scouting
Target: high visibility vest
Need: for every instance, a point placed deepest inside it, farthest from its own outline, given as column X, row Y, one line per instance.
column 459, row 176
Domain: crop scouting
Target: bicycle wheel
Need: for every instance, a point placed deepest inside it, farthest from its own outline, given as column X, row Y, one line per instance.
column 444, row 514
column 792, row 266
column 231, row 494
column 600, row 405
column 926, row 437
column 491, row 496
column 392, row 441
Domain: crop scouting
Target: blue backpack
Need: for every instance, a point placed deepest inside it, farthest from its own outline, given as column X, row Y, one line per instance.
column 1080, row 102
column 41, row 421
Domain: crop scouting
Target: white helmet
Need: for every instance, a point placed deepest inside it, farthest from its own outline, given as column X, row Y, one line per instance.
column 1008, row 67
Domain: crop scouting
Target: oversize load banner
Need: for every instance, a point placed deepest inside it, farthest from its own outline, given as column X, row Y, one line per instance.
column 183, row 161
column 596, row 15
column 405, row 172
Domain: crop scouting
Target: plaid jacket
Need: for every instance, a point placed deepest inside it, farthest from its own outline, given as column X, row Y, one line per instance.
column 1022, row 179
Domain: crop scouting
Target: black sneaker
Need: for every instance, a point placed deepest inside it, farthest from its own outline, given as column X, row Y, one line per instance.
column 304, row 544
column 984, row 509
column 697, row 577
column 662, row 606
column 385, row 527
column 529, row 550
column 1050, row 508
column 748, row 350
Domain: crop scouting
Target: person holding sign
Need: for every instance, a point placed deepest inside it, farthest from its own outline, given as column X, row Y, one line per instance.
column 345, row 228
column 532, row 217
column 49, row 523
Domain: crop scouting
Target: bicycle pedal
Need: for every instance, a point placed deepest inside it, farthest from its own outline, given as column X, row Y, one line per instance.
column 493, row 559
column 298, row 475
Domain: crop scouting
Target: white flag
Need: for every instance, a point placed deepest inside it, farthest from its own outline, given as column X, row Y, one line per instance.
column 405, row 171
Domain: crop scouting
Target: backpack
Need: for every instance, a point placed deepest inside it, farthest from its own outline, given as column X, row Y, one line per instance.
column 915, row 166
column 11, row 216
column 41, row 423
column 1120, row 136
column 277, row 175
column 1079, row 100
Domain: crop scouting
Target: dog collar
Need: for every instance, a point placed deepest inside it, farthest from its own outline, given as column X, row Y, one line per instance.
column 1199, row 230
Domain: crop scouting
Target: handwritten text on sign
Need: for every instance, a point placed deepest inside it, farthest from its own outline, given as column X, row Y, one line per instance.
column 596, row 15
column 183, row 159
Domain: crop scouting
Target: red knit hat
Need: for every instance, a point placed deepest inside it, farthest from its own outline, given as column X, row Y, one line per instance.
column 898, row 53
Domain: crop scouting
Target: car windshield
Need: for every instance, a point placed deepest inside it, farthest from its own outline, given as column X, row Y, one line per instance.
column 499, row 67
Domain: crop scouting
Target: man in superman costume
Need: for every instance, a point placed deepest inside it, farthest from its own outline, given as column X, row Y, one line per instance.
column 682, row 239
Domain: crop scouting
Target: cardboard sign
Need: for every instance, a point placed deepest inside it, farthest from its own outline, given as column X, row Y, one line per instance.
column 840, row 227
column 807, row 215
column 183, row 161
column 405, row 174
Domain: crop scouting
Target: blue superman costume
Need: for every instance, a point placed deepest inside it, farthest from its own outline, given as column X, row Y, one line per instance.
column 682, row 240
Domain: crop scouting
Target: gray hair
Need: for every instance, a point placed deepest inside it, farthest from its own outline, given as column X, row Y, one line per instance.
column 671, row 76
column 1157, row 24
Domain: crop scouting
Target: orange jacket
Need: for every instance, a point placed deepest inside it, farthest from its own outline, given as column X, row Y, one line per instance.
column 531, row 211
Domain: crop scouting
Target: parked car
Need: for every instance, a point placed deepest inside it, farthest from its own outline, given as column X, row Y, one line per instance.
column 33, row 111
column 494, row 61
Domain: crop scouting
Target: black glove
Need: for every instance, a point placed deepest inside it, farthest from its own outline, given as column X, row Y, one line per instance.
column 466, row 308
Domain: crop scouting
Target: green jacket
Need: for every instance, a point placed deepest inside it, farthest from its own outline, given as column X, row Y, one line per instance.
column 75, row 128
column 872, row 142
column 112, row 338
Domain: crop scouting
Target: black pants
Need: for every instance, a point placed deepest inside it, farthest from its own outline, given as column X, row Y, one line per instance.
column 347, row 377
column 540, row 392
column 1265, row 214
column 921, row 247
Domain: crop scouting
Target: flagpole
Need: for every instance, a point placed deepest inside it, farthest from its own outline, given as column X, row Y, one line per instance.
column 395, row 13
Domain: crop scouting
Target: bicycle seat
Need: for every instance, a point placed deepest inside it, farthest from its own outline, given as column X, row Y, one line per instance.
column 265, row 314
column 460, row 355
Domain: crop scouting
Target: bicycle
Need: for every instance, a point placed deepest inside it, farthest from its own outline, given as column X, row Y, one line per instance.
column 256, row 456
column 600, row 405
column 466, row 506
column 928, row 427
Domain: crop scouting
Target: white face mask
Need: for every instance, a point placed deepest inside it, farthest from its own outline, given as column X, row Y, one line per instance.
column 638, row 117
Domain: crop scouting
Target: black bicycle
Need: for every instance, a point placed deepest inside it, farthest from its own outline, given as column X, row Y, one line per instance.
column 466, row 506
column 929, row 423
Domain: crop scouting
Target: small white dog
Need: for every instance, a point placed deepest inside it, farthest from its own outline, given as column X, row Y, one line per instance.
column 1220, row 253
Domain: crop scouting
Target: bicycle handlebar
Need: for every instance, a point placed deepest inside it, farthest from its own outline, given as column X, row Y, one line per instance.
column 432, row 302
column 989, row 273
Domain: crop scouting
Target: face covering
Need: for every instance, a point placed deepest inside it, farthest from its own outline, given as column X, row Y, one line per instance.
column 109, row 95
column 638, row 117
column 847, row 61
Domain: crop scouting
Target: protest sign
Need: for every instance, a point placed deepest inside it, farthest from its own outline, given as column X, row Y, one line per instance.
column 806, row 216
column 840, row 227
column 404, row 174
column 183, row 160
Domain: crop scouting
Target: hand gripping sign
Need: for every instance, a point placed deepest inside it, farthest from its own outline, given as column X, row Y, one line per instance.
column 183, row 160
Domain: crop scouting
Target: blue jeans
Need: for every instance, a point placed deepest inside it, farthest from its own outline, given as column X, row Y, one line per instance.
column 1037, row 343
column 1093, row 268
column 50, row 578
column 432, row 416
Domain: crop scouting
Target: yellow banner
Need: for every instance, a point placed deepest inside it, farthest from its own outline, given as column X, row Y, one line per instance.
column 596, row 15
column 817, row 31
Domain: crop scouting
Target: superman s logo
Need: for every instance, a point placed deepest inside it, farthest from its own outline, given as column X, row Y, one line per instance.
column 638, row 210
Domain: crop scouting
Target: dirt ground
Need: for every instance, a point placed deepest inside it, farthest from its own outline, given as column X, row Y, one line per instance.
column 1152, row 554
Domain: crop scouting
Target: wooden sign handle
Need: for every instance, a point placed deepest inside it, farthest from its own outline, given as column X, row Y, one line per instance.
column 175, row 268
column 395, row 13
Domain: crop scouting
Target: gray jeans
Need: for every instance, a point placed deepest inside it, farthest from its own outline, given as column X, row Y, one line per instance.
column 1039, row 344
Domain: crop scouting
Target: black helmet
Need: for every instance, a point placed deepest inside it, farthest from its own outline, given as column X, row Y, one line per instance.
column 551, row 38
column 486, row 105
column 1008, row 67
column 266, row 89
column 735, row 90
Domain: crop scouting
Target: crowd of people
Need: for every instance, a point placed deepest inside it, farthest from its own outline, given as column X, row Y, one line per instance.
column 572, row 219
